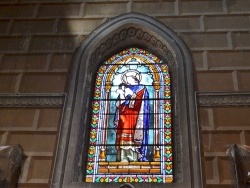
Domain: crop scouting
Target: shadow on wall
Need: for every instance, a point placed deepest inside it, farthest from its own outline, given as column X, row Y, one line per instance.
column 37, row 42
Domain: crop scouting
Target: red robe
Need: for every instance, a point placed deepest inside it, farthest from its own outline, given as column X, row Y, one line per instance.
column 127, row 121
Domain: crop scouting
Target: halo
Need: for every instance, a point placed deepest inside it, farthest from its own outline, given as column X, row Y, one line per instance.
column 133, row 73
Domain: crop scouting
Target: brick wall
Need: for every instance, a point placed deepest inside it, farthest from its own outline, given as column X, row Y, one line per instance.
column 39, row 37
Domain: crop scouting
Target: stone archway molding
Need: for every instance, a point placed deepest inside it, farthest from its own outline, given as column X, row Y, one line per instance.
column 129, row 30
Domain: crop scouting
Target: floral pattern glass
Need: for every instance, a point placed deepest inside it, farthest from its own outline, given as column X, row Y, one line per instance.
column 130, row 133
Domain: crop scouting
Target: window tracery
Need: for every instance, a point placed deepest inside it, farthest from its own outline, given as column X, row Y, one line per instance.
column 130, row 135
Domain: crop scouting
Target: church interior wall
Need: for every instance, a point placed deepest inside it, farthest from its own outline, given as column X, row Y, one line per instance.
column 37, row 42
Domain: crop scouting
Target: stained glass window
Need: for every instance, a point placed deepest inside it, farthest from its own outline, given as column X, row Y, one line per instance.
column 130, row 133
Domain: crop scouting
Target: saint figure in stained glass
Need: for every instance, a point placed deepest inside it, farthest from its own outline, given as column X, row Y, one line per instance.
column 130, row 133
column 132, row 118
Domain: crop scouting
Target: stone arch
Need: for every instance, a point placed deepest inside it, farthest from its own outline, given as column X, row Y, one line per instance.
column 121, row 32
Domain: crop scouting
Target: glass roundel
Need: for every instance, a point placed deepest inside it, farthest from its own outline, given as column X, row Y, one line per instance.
column 130, row 132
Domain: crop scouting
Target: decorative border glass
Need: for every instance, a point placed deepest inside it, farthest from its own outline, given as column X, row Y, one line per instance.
column 160, row 168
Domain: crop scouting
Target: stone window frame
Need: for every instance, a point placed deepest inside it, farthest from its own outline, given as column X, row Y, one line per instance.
column 129, row 30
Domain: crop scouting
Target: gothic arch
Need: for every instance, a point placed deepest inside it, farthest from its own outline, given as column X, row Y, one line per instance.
column 129, row 30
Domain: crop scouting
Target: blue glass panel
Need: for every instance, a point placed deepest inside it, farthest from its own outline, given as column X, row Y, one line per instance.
column 131, row 120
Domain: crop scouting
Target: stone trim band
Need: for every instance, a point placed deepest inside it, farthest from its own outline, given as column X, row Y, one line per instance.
column 223, row 99
column 32, row 100
column 57, row 100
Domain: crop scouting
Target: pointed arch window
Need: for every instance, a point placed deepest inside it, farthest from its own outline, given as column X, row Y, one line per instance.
column 130, row 61
column 130, row 134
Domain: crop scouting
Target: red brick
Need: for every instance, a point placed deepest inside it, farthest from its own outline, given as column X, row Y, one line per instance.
column 43, row 83
column 17, row 11
column 49, row 118
column 83, row 26
column 152, row 8
column 59, row 10
column 219, row 23
column 52, row 43
column 104, row 9
column 13, row 43
column 182, row 23
column 32, row 26
column 215, row 81
column 8, row 82
column 229, row 59
column 219, row 141
column 238, row 6
column 33, row 141
column 243, row 80
column 206, row 40
column 241, row 40
column 4, row 24
column 14, row 117
column 200, row 7
column 231, row 118
column 23, row 61
column 60, row 61
column 39, row 170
